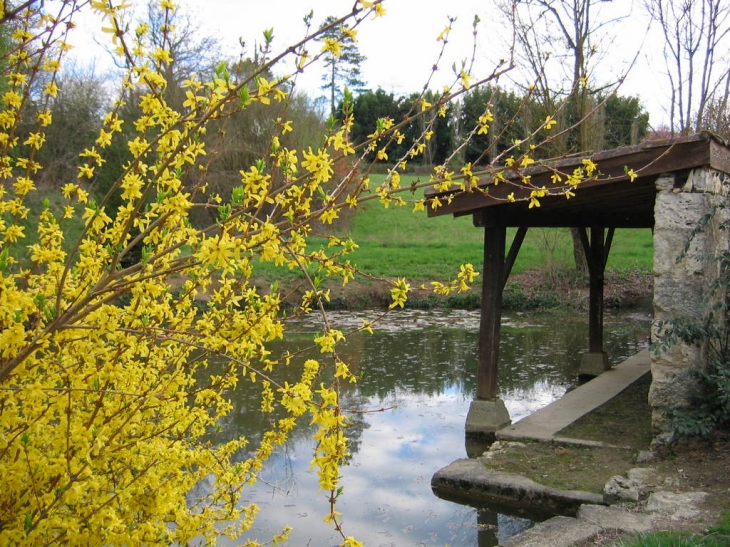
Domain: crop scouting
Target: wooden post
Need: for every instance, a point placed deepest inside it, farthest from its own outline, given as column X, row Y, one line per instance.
column 491, row 313
column 595, row 362
column 597, row 263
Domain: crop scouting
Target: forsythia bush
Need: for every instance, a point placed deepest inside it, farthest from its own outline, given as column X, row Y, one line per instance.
column 105, row 424
column 108, row 407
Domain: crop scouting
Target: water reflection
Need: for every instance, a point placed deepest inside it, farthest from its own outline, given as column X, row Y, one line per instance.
column 423, row 365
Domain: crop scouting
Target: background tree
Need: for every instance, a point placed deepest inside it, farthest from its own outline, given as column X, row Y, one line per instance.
column 696, row 40
column 440, row 142
column 192, row 54
column 557, row 42
column 510, row 121
column 243, row 138
column 717, row 115
column 369, row 106
column 625, row 121
column 342, row 64
column 77, row 110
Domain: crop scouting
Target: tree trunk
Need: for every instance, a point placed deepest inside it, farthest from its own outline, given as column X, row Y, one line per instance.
column 579, row 253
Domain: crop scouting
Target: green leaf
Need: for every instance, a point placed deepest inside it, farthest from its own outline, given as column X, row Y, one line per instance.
column 4, row 259
column 243, row 97
column 222, row 72
column 49, row 312
column 146, row 253
column 237, row 195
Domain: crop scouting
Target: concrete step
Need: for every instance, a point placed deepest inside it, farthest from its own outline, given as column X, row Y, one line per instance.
column 590, row 521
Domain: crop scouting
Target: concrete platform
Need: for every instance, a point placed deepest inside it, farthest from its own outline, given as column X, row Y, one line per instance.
column 544, row 424
column 471, row 479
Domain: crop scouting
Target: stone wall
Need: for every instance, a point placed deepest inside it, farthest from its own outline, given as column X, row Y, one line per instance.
column 681, row 288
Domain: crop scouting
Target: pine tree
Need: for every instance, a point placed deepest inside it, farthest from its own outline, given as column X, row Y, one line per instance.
column 343, row 70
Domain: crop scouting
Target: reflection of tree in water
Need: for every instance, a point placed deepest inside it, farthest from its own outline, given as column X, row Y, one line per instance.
column 539, row 351
column 419, row 362
column 248, row 420
column 535, row 350
column 548, row 348
column 411, row 367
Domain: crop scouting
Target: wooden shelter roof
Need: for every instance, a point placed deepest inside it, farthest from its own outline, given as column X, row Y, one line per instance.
column 608, row 199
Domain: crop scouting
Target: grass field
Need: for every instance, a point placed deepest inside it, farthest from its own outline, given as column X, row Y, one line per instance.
column 397, row 242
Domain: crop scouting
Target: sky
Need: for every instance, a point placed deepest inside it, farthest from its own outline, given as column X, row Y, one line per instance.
column 401, row 48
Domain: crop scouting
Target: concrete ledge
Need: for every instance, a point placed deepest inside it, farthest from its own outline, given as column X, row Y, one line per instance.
column 470, row 479
column 571, row 532
column 584, row 442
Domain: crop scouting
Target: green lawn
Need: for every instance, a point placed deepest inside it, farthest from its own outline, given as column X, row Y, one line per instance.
column 396, row 242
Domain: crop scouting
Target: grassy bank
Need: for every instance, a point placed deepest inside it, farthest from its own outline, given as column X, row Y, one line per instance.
column 717, row 536
column 396, row 242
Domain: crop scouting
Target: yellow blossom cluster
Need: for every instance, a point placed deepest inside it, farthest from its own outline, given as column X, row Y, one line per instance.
column 106, row 427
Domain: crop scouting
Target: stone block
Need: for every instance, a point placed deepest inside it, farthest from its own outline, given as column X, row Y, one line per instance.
column 670, row 387
column 681, row 289
column 678, row 212
column 678, row 297
column 556, row 532
column 645, row 456
column 705, row 181
column 681, row 506
column 665, row 183
column 615, row 518
column 647, row 476
column 641, row 481
column 619, row 489
column 486, row 416
column 676, row 357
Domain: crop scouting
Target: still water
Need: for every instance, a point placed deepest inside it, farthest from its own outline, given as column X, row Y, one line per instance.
column 417, row 377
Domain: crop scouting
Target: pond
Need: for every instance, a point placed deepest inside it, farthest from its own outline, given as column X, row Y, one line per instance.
column 417, row 377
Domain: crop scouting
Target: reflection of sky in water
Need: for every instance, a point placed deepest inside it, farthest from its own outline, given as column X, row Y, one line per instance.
column 387, row 499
